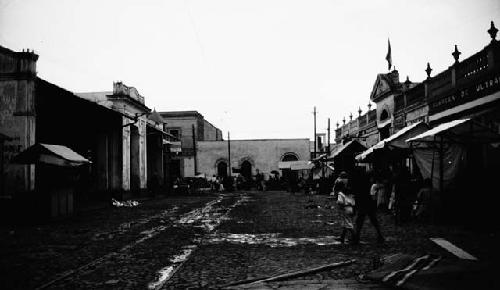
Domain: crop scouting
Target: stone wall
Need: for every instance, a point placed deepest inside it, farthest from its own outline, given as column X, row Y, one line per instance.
column 262, row 154
column 17, row 115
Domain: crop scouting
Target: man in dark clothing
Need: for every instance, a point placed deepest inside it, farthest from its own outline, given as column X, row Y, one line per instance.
column 366, row 205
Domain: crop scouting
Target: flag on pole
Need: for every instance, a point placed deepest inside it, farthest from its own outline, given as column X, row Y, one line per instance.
column 388, row 56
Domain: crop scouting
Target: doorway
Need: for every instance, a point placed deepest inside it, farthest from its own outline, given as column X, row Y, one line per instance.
column 135, row 173
column 222, row 169
column 246, row 169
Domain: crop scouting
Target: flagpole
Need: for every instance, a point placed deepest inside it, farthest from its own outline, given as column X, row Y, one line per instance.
column 388, row 57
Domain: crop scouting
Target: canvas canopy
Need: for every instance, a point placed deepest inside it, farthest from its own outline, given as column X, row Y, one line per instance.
column 458, row 131
column 50, row 154
column 296, row 165
column 395, row 141
column 351, row 146
column 325, row 170
column 321, row 157
column 440, row 152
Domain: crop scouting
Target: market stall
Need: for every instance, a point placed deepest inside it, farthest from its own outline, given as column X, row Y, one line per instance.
column 56, row 176
column 460, row 159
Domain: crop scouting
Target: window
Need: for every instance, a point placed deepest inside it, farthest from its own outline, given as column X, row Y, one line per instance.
column 384, row 115
column 175, row 132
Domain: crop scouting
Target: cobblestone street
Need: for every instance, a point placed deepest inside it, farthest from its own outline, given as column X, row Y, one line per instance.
column 208, row 241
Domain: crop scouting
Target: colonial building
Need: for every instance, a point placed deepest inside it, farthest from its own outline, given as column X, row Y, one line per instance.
column 34, row 110
column 189, row 127
column 130, row 104
column 468, row 88
column 110, row 129
column 247, row 156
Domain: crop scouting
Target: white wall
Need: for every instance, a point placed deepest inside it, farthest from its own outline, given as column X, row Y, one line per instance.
column 264, row 154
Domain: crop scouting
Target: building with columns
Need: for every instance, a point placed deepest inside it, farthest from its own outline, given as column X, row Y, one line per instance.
column 130, row 104
column 111, row 129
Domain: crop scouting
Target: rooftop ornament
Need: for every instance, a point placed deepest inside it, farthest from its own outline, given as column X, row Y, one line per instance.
column 350, row 116
column 369, row 106
column 493, row 32
column 343, row 120
column 407, row 82
column 428, row 70
column 456, row 54
column 337, row 124
column 359, row 111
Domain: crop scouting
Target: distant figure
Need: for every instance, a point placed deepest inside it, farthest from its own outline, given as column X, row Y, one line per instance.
column 259, row 180
column 342, row 182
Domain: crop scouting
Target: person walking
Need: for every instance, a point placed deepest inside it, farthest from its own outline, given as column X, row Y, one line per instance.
column 346, row 203
column 366, row 205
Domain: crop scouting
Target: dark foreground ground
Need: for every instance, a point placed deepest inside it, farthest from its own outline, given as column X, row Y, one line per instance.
column 211, row 241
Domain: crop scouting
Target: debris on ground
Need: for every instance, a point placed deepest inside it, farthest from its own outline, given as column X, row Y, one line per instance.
column 128, row 203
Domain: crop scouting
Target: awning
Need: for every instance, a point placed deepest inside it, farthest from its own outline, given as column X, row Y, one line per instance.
column 352, row 146
column 396, row 140
column 321, row 157
column 296, row 165
column 50, row 154
column 175, row 146
column 459, row 131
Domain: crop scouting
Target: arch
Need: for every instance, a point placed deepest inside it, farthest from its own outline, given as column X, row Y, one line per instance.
column 289, row 156
column 221, row 166
column 249, row 159
column 246, row 169
column 384, row 115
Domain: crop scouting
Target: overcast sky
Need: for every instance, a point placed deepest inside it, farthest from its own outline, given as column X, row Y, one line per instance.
column 255, row 68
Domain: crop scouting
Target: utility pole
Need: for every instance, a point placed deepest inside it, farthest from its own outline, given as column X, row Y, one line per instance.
column 194, row 149
column 314, row 113
column 228, row 154
column 328, row 145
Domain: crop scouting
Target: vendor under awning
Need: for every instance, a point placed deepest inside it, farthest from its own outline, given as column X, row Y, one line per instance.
column 58, row 155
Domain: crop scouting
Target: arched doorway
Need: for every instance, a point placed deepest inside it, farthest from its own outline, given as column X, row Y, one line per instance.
column 290, row 176
column 222, row 169
column 246, row 169
column 290, row 156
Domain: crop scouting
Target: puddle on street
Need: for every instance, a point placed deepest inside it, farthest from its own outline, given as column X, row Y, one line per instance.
column 208, row 218
column 272, row 240
column 167, row 272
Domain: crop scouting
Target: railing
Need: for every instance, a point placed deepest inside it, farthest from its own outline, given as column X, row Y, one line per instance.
column 472, row 66
column 362, row 121
column 399, row 103
column 441, row 83
column 372, row 116
column 415, row 95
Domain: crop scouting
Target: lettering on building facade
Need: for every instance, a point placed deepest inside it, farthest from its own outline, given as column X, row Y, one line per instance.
column 474, row 91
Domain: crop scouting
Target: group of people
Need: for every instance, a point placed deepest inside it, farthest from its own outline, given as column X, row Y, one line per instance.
column 359, row 196
column 355, row 202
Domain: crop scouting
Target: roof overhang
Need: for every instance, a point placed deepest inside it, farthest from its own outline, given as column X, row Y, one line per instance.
column 58, row 155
